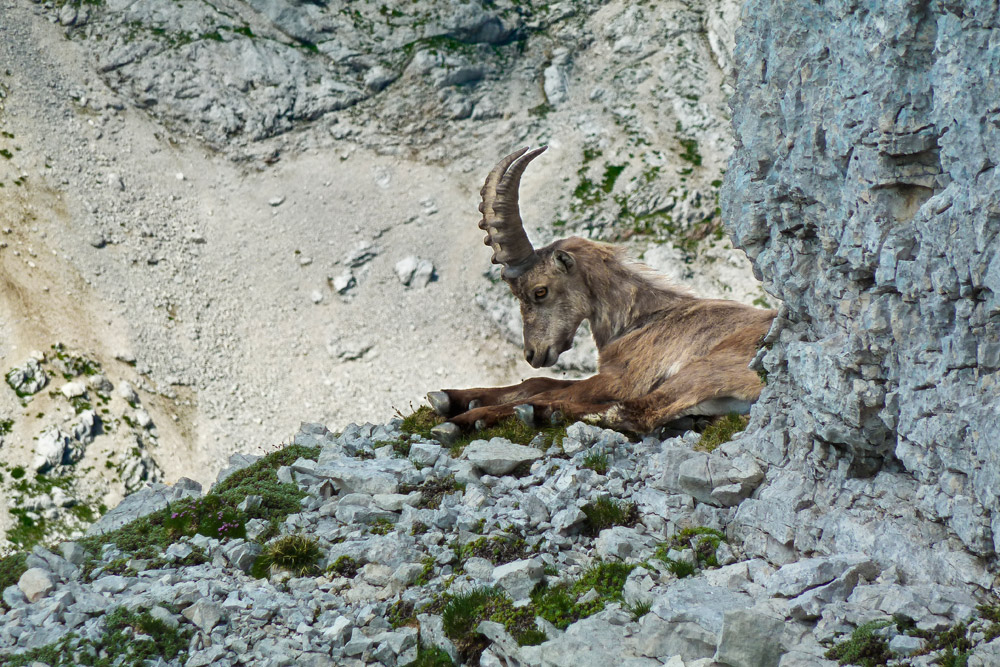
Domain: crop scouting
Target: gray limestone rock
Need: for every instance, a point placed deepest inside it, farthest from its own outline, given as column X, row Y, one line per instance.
column 750, row 638
column 619, row 542
column 519, row 577
column 143, row 502
column 873, row 218
column 795, row 578
column 499, row 456
column 359, row 476
column 13, row 596
column 687, row 620
column 204, row 614
column 425, row 453
column 241, row 554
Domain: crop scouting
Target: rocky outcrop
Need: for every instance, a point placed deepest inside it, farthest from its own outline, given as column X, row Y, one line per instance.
column 863, row 187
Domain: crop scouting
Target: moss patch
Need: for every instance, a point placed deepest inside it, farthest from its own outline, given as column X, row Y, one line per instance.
column 721, row 431
column 420, row 422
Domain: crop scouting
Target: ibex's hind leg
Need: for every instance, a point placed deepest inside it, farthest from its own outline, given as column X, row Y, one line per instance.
column 701, row 387
column 452, row 402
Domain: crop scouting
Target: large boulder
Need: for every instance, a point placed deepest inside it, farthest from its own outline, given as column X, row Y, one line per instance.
column 863, row 188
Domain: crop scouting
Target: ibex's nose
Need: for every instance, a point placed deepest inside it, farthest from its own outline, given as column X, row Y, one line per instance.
column 529, row 354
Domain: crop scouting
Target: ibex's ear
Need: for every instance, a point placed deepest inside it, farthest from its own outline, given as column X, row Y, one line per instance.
column 564, row 260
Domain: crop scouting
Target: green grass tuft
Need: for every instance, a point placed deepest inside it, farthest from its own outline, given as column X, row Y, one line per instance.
column 514, row 430
column 380, row 526
column 605, row 513
column 423, row 419
column 639, row 609
column 432, row 490
column 297, row 554
column 721, row 431
column 680, row 568
column 596, row 461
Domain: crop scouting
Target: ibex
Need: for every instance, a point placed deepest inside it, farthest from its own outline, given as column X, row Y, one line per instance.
column 663, row 353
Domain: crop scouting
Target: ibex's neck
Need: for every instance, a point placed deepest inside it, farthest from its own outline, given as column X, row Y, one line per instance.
column 625, row 297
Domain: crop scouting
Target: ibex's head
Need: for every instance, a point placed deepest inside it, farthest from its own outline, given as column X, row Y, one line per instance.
column 554, row 298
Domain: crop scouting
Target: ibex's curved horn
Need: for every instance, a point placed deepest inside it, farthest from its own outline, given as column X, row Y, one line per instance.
column 501, row 216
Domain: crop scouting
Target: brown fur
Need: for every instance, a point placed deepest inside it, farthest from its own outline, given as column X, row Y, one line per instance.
column 662, row 352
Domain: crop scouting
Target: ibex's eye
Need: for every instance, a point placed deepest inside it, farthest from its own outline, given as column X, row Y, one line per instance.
column 541, row 292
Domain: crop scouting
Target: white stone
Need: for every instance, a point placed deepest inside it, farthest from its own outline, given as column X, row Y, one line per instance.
column 36, row 583
column 73, row 389
column 343, row 283
column 127, row 392
column 50, row 449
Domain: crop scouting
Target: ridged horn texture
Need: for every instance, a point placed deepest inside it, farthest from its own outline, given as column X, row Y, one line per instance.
column 502, row 218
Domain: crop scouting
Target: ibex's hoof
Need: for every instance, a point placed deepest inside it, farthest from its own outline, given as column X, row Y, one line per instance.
column 556, row 418
column 480, row 424
column 446, row 433
column 525, row 413
column 475, row 403
column 440, row 402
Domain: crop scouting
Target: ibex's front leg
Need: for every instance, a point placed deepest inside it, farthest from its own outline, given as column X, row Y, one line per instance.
column 573, row 399
column 452, row 402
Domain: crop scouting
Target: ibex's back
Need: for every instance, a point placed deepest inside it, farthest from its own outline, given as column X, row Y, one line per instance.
column 663, row 352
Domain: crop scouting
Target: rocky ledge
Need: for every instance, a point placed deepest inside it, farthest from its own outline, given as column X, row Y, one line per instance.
column 378, row 546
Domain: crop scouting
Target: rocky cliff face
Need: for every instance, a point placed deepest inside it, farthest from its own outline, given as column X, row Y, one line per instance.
column 864, row 189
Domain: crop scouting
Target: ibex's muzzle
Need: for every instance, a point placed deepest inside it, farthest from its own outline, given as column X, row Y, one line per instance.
column 547, row 356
